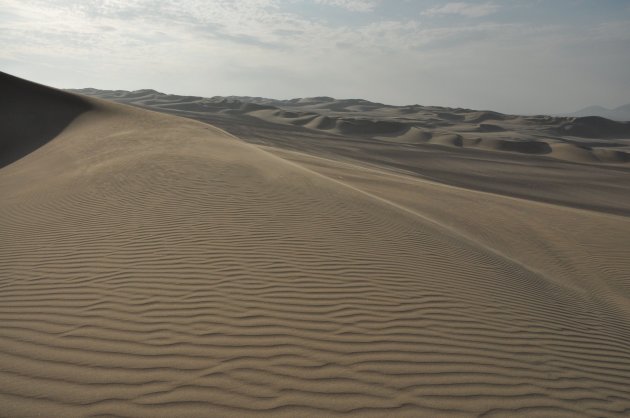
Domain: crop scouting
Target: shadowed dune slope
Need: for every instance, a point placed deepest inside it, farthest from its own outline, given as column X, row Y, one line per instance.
column 153, row 266
column 31, row 115
column 596, row 127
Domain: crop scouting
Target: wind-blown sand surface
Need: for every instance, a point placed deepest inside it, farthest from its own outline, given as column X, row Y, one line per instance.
column 157, row 266
column 579, row 162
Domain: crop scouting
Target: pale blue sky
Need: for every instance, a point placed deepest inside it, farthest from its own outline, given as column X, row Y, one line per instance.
column 518, row 56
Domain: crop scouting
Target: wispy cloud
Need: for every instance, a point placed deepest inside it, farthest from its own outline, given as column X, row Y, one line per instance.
column 386, row 51
column 463, row 9
column 352, row 5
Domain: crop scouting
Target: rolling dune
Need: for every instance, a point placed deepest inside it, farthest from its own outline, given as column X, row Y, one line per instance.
column 357, row 119
column 158, row 266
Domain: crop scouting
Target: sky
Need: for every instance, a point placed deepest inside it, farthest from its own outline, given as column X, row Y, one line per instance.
column 513, row 56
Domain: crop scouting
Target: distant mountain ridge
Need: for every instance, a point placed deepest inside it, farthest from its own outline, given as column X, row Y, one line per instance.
column 621, row 113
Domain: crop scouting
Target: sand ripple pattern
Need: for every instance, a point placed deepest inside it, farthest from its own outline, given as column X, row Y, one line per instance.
column 174, row 271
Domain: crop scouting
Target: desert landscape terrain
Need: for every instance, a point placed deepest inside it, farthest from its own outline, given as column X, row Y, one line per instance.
column 177, row 256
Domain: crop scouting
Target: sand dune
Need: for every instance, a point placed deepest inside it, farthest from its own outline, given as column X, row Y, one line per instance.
column 158, row 266
column 461, row 128
column 588, row 173
column 31, row 116
column 595, row 127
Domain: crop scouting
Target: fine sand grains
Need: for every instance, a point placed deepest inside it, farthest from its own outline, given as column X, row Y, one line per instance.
column 155, row 266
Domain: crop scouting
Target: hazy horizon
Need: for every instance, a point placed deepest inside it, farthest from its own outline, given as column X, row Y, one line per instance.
column 509, row 56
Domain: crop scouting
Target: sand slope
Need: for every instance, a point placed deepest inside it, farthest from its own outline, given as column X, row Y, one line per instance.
column 31, row 115
column 521, row 156
column 157, row 266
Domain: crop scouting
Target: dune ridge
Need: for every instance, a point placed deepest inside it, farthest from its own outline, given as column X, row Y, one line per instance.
column 157, row 266
column 356, row 118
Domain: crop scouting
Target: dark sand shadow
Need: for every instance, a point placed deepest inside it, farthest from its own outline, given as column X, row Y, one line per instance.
column 31, row 115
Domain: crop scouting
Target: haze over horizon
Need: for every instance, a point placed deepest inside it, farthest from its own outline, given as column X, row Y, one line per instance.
column 509, row 56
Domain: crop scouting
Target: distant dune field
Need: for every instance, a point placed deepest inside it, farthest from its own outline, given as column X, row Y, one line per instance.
column 157, row 266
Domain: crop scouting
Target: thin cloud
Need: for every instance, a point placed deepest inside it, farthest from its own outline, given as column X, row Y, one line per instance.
column 277, row 48
column 352, row 5
column 462, row 9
